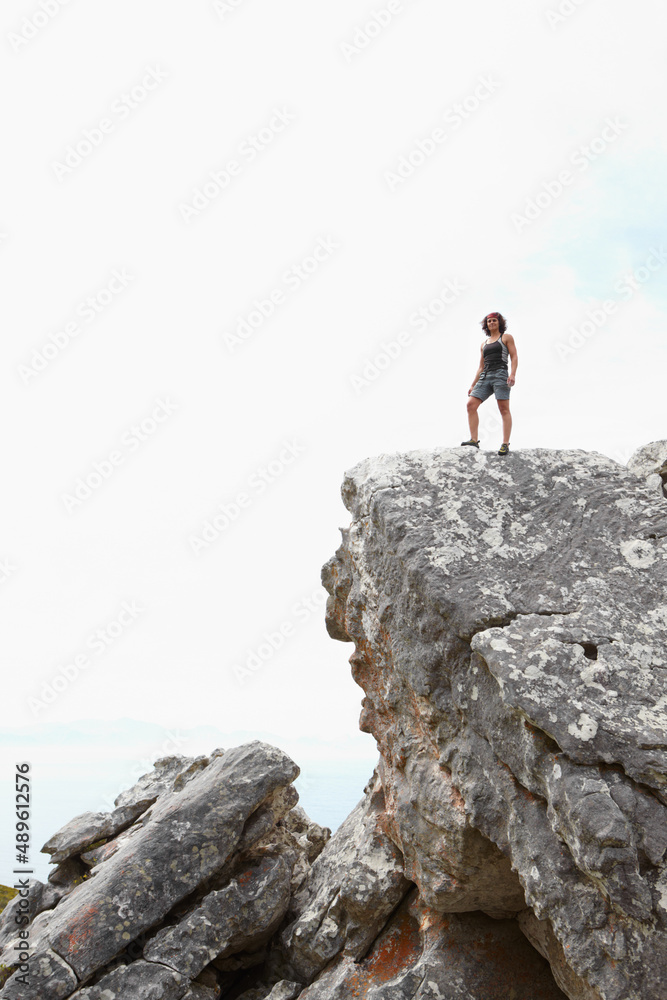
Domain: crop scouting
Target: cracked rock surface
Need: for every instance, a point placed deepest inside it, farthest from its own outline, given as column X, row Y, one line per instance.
column 349, row 893
column 509, row 617
column 197, row 877
column 421, row 955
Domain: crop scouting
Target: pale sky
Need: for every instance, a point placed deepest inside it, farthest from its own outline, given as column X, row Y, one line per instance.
column 180, row 347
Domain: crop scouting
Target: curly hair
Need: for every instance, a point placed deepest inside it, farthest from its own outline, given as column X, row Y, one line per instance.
column 502, row 323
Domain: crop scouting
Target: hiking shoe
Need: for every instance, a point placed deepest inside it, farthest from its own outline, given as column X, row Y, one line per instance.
column 475, row 444
column 504, row 449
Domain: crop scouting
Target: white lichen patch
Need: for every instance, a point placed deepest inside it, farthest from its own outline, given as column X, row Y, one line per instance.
column 444, row 555
column 627, row 504
column 655, row 716
column 406, row 502
column 638, row 553
column 502, row 645
column 659, row 615
column 661, row 886
column 492, row 537
column 588, row 675
column 585, row 729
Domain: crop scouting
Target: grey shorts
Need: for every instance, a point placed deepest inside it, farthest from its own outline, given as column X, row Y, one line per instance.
column 492, row 382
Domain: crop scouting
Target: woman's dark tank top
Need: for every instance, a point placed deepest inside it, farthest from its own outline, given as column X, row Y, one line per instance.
column 495, row 355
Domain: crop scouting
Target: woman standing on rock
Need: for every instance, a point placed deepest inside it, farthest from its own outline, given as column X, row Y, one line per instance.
column 492, row 376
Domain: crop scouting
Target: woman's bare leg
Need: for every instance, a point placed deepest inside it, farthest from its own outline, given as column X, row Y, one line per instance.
column 473, row 416
column 504, row 407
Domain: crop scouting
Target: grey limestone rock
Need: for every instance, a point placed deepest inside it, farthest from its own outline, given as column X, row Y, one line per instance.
column 198, row 992
column 68, row 873
column 311, row 836
column 48, row 977
column 509, row 617
column 283, row 990
column 38, row 935
column 40, row 897
column 422, row 955
column 297, row 839
column 168, row 774
column 351, row 889
column 209, row 810
column 84, row 830
column 138, row 981
column 649, row 459
column 265, row 818
column 510, row 622
column 239, row 917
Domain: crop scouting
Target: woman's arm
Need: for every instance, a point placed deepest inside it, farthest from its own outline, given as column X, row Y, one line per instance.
column 480, row 369
column 514, row 357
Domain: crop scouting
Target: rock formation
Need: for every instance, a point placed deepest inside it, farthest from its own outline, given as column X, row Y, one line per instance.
column 510, row 622
column 509, row 617
column 196, row 865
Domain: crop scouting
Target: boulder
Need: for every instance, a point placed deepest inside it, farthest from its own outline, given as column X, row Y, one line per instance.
column 48, row 977
column 40, row 897
column 190, row 837
column 170, row 774
column 239, row 917
column 429, row 956
column 347, row 896
column 83, row 831
column 138, row 981
column 509, row 617
column 649, row 459
column 284, row 990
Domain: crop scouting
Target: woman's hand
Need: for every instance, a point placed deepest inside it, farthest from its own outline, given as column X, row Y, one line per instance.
column 510, row 381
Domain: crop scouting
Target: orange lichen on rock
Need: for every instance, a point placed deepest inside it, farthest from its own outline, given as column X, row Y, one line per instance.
column 456, row 799
column 82, row 928
column 395, row 951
